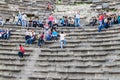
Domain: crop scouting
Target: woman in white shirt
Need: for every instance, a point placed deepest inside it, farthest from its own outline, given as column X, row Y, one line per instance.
column 62, row 39
column 77, row 19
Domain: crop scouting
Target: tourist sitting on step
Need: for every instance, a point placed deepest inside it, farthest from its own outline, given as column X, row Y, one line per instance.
column 19, row 18
column 71, row 22
column 31, row 40
column 35, row 23
column 66, row 21
column 115, row 19
column 28, row 34
column 2, row 32
column 111, row 19
column 30, row 23
column 47, row 32
column 55, row 22
column 46, row 26
column 54, row 35
column 6, row 35
column 93, row 21
column 61, row 22
column 41, row 39
column 90, row 22
column 21, row 51
column 105, row 25
column 62, row 39
column 40, row 23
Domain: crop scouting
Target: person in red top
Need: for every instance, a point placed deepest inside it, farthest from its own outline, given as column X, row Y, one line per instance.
column 51, row 20
column 101, row 19
column 21, row 51
column 49, row 7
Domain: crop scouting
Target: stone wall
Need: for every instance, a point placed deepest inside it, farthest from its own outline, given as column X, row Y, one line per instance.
column 96, row 4
column 8, row 8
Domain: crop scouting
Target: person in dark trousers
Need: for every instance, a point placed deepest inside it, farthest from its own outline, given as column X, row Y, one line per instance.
column 6, row 34
column 105, row 25
column 54, row 35
column 35, row 23
column 21, row 51
column 41, row 40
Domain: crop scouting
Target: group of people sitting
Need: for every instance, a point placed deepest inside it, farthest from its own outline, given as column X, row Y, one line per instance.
column 65, row 21
column 51, row 20
column 4, row 33
column 30, row 36
column 106, row 21
column 48, row 34
column 93, row 21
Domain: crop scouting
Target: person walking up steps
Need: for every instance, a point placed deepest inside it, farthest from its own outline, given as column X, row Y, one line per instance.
column 62, row 39
column 21, row 51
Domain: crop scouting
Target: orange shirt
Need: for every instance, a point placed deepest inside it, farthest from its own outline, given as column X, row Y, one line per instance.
column 101, row 17
column 22, row 49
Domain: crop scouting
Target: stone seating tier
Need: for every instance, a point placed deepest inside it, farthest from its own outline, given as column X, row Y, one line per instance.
column 37, row 8
column 91, row 56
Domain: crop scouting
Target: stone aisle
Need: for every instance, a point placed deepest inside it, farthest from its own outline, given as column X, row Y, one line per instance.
column 30, row 65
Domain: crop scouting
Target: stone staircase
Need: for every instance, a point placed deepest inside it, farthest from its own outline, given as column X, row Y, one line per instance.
column 88, row 55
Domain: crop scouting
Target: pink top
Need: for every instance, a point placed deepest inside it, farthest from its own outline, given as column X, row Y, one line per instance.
column 51, row 18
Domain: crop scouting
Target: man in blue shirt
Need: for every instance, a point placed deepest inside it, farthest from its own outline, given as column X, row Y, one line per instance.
column 19, row 19
column 54, row 35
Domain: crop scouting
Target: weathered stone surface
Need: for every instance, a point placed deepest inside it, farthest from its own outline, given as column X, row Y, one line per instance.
column 33, row 7
column 93, row 58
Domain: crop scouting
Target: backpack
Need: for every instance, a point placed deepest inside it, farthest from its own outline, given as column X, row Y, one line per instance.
column 118, row 17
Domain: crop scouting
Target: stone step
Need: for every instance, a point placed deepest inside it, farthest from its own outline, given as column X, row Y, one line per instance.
column 13, row 53
column 15, row 49
column 20, row 64
column 108, row 40
column 72, row 59
column 80, row 49
column 87, row 45
column 78, row 35
column 68, row 54
column 78, row 78
column 7, row 76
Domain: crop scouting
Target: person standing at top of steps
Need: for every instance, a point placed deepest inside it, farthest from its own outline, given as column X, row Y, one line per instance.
column 24, row 20
column 77, row 19
column 49, row 6
column 62, row 39
column 21, row 51
column 19, row 18
column 1, row 21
